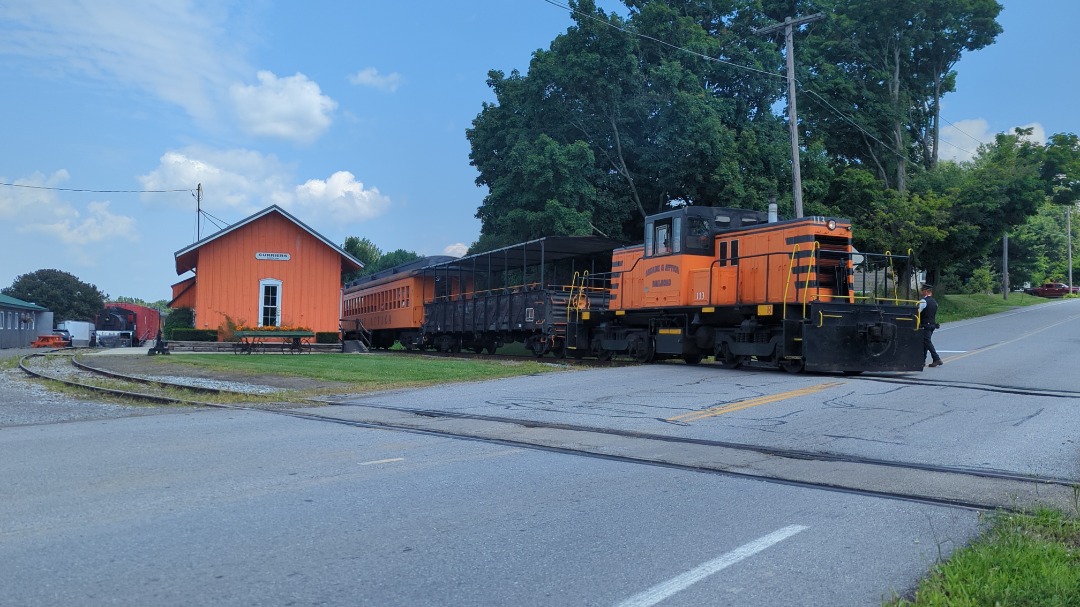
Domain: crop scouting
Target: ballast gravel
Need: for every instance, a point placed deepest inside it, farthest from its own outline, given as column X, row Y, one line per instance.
column 26, row 401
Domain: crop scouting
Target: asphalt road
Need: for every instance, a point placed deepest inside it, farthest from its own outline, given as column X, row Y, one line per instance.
column 243, row 507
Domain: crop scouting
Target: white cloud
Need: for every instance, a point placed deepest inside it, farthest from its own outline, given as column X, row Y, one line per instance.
column 95, row 225
column 341, row 198
column 292, row 108
column 960, row 140
column 370, row 76
column 242, row 182
column 38, row 208
column 180, row 52
column 235, row 182
column 457, row 249
column 1038, row 133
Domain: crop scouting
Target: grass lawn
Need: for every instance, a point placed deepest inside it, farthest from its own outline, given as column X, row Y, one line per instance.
column 1031, row 560
column 368, row 372
column 958, row 307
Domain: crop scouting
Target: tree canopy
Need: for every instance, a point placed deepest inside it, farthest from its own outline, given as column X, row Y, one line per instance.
column 372, row 257
column 61, row 292
column 678, row 102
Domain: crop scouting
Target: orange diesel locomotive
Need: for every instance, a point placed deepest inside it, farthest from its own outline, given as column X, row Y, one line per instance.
column 733, row 284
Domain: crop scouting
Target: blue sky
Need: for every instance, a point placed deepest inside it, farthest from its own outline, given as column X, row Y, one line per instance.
column 350, row 115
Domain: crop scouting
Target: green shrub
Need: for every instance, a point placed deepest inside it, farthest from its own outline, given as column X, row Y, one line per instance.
column 194, row 334
column 178, row 318
column 326, row 337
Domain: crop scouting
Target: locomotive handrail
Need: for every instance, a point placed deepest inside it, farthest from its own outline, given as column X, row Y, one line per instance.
column 896, row 296
column 806, row 283
column 787, row 283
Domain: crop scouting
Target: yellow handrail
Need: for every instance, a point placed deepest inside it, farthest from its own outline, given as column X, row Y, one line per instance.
column 569, row 300
column 806, row 283
column 787, row 283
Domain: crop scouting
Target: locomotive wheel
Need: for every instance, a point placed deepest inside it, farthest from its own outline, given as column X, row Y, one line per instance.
column 692, row 359
column 792, row 366
column 643, row 352
column 728, row 360
column 538, row 345
column 559, row 349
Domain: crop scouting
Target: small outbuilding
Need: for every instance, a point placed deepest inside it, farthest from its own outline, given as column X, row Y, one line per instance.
column 22, row 322
column 269, row 269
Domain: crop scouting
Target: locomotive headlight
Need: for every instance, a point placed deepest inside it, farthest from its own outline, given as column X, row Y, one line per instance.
column 832, row 224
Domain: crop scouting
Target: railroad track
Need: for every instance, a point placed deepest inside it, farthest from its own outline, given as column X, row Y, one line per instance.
column 63, row 366
column 568, row 360
column 969, row 488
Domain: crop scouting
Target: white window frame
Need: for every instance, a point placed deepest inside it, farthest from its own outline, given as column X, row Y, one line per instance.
column 269, row 282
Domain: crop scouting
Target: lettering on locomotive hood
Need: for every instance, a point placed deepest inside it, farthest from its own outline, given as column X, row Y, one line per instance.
column 662, row 267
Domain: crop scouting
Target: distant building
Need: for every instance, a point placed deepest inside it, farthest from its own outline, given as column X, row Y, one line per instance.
column 21, row 322
column 266, row 270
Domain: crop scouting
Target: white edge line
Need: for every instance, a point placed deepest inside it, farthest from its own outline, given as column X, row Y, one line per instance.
column 383, row 461
column 678, row 583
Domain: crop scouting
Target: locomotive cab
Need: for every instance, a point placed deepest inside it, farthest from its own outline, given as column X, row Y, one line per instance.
column 692, row 230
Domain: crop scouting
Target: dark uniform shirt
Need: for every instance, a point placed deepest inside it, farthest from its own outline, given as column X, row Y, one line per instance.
column 928, row 312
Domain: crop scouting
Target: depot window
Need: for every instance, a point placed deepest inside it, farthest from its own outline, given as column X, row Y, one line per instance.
column 269, row 302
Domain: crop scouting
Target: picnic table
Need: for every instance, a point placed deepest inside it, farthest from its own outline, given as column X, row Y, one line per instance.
column 292, row 342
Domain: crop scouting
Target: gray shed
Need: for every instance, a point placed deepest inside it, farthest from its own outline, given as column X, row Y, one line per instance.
column 21, row 322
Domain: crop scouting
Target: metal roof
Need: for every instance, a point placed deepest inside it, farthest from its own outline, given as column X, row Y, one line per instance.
column 8, row 301
column 394, row 272
column 533, row 252
column 187, row 258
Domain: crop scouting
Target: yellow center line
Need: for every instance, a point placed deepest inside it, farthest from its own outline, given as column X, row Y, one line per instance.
column 753, row 402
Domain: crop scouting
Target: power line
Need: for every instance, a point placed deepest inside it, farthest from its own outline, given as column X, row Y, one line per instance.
column 662, row 42
column 821, row 99
column 973, row 138
column 41, row 187
column 817, row 97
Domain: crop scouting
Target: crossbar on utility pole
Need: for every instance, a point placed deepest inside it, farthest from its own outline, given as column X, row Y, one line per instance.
column 793, row 117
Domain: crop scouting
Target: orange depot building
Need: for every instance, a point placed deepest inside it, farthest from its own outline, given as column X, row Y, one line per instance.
column 266, row 270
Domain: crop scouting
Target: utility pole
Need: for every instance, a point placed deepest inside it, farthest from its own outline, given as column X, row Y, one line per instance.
column 1005, row 266
column 198, row 213
column 796, row 172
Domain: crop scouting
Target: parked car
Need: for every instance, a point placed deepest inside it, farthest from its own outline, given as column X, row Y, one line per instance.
column 1052, row 289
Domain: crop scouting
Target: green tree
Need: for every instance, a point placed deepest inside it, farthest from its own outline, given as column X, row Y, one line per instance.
column 908, row 224
column 1037, row 248
column 161, row 305
column 61, row 292
column 608, row 127
column 391, row 259
column 178, row 318
column 876, row 72
column 988, row 197
column 365, row 251
column 372, row 257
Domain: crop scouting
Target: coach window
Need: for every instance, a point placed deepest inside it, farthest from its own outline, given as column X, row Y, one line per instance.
column 269, row 302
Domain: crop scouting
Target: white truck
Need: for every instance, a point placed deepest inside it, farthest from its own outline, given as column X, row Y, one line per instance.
column 80, row 332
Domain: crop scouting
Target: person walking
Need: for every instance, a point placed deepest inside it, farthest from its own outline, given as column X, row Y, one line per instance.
column 928, row 322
